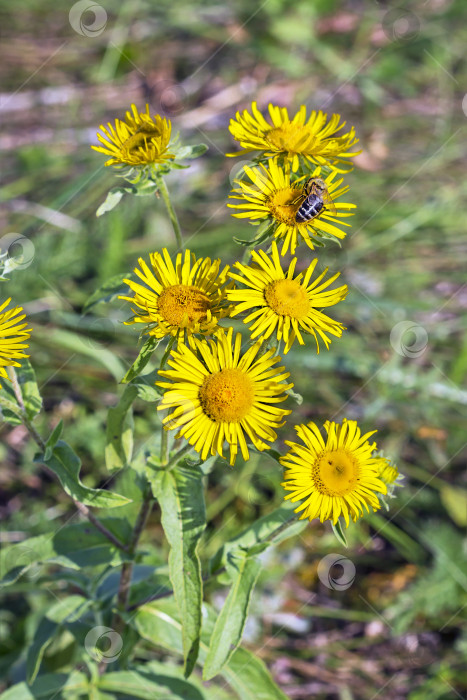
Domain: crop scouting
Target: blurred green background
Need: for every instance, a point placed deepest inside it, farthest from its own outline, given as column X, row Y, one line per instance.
column 398, row 73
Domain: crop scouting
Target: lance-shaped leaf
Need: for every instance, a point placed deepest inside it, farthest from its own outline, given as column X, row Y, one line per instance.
column 112, row 288
column 245, row 673
column 142, row 360
column 50, row 686
column 64, row 610
column 31, row 398
column 181, row 498
column 272, row 528
column 66, row 465
column 119, row 431
column 72, row 546
column 243, row 569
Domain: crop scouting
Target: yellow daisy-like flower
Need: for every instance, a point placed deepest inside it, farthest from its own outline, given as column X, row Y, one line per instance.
column 387, row 472
column 182, row 299
column 140, row 140
column 219, row 395
column 13, row 335
column 313, row 140
column 284, row 304
column 272, row 195
column 336, row 477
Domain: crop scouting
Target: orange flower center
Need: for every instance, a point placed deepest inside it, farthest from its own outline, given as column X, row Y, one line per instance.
column 227, row 395
column 283, row 204
column 182, row 305
column 287, row 298
column 336, row 472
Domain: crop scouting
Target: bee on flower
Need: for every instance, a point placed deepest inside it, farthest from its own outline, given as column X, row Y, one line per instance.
column 272, row 194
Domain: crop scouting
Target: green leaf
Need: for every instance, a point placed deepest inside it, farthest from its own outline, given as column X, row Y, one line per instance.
column 66, row 609
column 243, row 571
column 146, row 386
column 27, row 381
column 142, row 360
column 113, row 199
column 454, row 499
column 245, row 673
column 339, row 533
column 78, row 345
column 142, row 683
column 261, row 530
column 119, row 431
column 73, row 546
column 53, row 686
column 66, row 465
column 112, row 288
column 29, row 391
column 191, row 152
column 11, row 412
column 53, row 438
column 180, row 494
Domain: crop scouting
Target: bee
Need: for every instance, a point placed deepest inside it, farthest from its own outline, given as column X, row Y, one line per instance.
column 317, row 200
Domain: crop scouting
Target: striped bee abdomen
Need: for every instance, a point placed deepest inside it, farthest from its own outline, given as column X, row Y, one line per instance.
column 309, row 208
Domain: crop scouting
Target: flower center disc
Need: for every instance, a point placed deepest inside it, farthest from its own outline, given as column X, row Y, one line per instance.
column 227, row 395
column 287, row 298
column 335, row 473
column 283, row 204
column 290, row 137
column 181, row 305
column 140, row 138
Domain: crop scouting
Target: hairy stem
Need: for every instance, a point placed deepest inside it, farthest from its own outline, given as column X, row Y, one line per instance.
column 171, row 211
column 157, row 596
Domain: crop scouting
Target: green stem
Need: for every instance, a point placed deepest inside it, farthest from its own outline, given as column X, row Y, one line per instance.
column 171, row 464
column 164, row 446
column 118, row 622
column 171, row 211
column 283, row 526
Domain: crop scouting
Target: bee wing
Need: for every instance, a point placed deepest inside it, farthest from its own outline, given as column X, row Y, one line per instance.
column 328, row 203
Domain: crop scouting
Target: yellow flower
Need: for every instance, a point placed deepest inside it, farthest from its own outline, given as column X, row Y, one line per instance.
column 182, row 299
column 387, row 472
column 13, row 335
column 336, row 477
column 140, row 140
column 313, row 140
column 272, row 195
column 219, row 395
column 284, row 304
